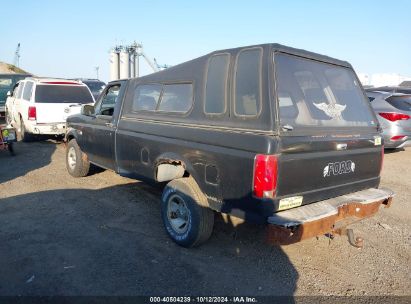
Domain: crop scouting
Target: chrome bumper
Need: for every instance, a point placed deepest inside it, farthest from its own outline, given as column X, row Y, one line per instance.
column 330, row 215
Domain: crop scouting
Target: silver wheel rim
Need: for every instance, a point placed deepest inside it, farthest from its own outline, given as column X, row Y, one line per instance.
column 178, row 214
column 71, row 158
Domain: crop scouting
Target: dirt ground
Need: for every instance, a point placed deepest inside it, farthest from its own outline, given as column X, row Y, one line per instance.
column 103, row 235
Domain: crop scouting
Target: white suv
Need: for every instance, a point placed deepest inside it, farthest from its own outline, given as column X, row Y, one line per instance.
column 42, row 105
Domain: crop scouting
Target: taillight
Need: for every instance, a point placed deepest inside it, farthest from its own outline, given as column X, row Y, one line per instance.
column 394, row 116
column 265, row 175
column 397, row 137
column 32, row 113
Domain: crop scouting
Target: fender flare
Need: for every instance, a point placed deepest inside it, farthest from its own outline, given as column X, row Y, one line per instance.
column 71, row 133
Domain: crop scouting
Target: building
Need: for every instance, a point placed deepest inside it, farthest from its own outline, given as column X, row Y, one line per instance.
column 382, row 79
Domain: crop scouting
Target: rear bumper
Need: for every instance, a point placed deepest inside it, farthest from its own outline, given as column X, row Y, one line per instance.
column 47, row 129
column 406, row 143
column 330, row 215
column 395, row 144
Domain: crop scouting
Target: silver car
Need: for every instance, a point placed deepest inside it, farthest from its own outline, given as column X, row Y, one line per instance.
column 394, row 114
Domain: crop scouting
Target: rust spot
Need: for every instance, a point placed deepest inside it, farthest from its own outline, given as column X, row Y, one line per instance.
column 388, row 202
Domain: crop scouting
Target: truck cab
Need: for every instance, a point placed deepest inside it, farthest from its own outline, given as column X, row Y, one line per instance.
column 265, row 133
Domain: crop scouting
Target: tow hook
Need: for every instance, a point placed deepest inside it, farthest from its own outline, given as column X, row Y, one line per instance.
column 357, row 242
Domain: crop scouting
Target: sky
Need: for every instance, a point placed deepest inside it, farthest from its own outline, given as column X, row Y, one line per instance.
column 69, row 39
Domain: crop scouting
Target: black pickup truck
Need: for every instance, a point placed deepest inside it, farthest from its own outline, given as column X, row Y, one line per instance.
column 265, row 133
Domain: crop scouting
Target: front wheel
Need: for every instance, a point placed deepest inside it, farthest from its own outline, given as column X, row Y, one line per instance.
column 77, row 163
column 9, row 120
column 187, row 218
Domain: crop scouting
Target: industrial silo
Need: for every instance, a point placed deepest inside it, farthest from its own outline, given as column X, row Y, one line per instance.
column 124, row 64
column 114, row 65
column 132, row 55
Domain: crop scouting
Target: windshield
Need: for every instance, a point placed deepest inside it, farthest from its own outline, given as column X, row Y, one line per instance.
column 63, row 94
column 6, row 84
column 315, row 94
column 95, row 86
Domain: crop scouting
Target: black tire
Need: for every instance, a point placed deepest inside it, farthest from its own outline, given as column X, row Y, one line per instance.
column 24, row 135
column 199, row 217
column 10, row 146
column 77, row 164
column 8, row 117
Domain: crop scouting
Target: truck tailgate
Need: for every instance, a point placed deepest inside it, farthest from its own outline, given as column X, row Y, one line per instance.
column 317, row 170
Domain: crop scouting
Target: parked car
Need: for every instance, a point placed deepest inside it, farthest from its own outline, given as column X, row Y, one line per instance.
column 394, row 114
column 7, row 82
column 405, row 83
column 266, row 133
column 96, row 86
column 40, row 106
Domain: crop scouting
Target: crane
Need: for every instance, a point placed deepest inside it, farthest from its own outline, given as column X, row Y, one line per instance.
column 161, row 66
column 137, row 48
column 16, row 61
column 149, row 62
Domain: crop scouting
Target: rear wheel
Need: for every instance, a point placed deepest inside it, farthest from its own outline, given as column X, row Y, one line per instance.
column 77, row 163
column 186, row 216
column 25, row 136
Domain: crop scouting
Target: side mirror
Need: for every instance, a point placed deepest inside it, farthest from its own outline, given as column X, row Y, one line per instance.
column 87, row 110
column 9, row 94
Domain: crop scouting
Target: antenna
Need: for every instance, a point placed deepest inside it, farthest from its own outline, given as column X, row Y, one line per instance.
column 16, row 61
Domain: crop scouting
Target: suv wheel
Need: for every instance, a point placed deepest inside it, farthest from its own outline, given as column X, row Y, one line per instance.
column 8, row 117
column 10, row 146
column 77, row 163
column 25, row 136
column 187, row 219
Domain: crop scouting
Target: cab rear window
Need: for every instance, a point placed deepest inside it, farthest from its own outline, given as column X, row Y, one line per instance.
column 315, row 94
column 63, row 94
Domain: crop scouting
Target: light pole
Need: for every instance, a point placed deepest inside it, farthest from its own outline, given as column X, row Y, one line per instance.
column 97, row 68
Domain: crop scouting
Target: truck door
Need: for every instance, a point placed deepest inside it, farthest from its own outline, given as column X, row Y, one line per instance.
column 11, row 107
column 100, row 132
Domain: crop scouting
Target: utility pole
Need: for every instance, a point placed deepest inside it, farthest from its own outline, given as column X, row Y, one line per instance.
column 16, row 61
column 97, row 68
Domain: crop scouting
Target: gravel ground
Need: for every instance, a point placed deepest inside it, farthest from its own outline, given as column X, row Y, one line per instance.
column 102, row 235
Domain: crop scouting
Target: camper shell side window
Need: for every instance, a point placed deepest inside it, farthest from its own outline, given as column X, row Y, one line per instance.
column 163, row 97
column 248, row 83
column 216, row 85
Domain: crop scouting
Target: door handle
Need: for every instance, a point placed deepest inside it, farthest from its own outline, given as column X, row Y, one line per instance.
column 109, row 124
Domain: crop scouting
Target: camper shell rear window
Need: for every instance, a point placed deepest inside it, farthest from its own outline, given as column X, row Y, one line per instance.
column 317, row 94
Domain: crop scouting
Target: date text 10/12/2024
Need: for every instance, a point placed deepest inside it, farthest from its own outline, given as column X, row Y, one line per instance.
column 203, row 299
